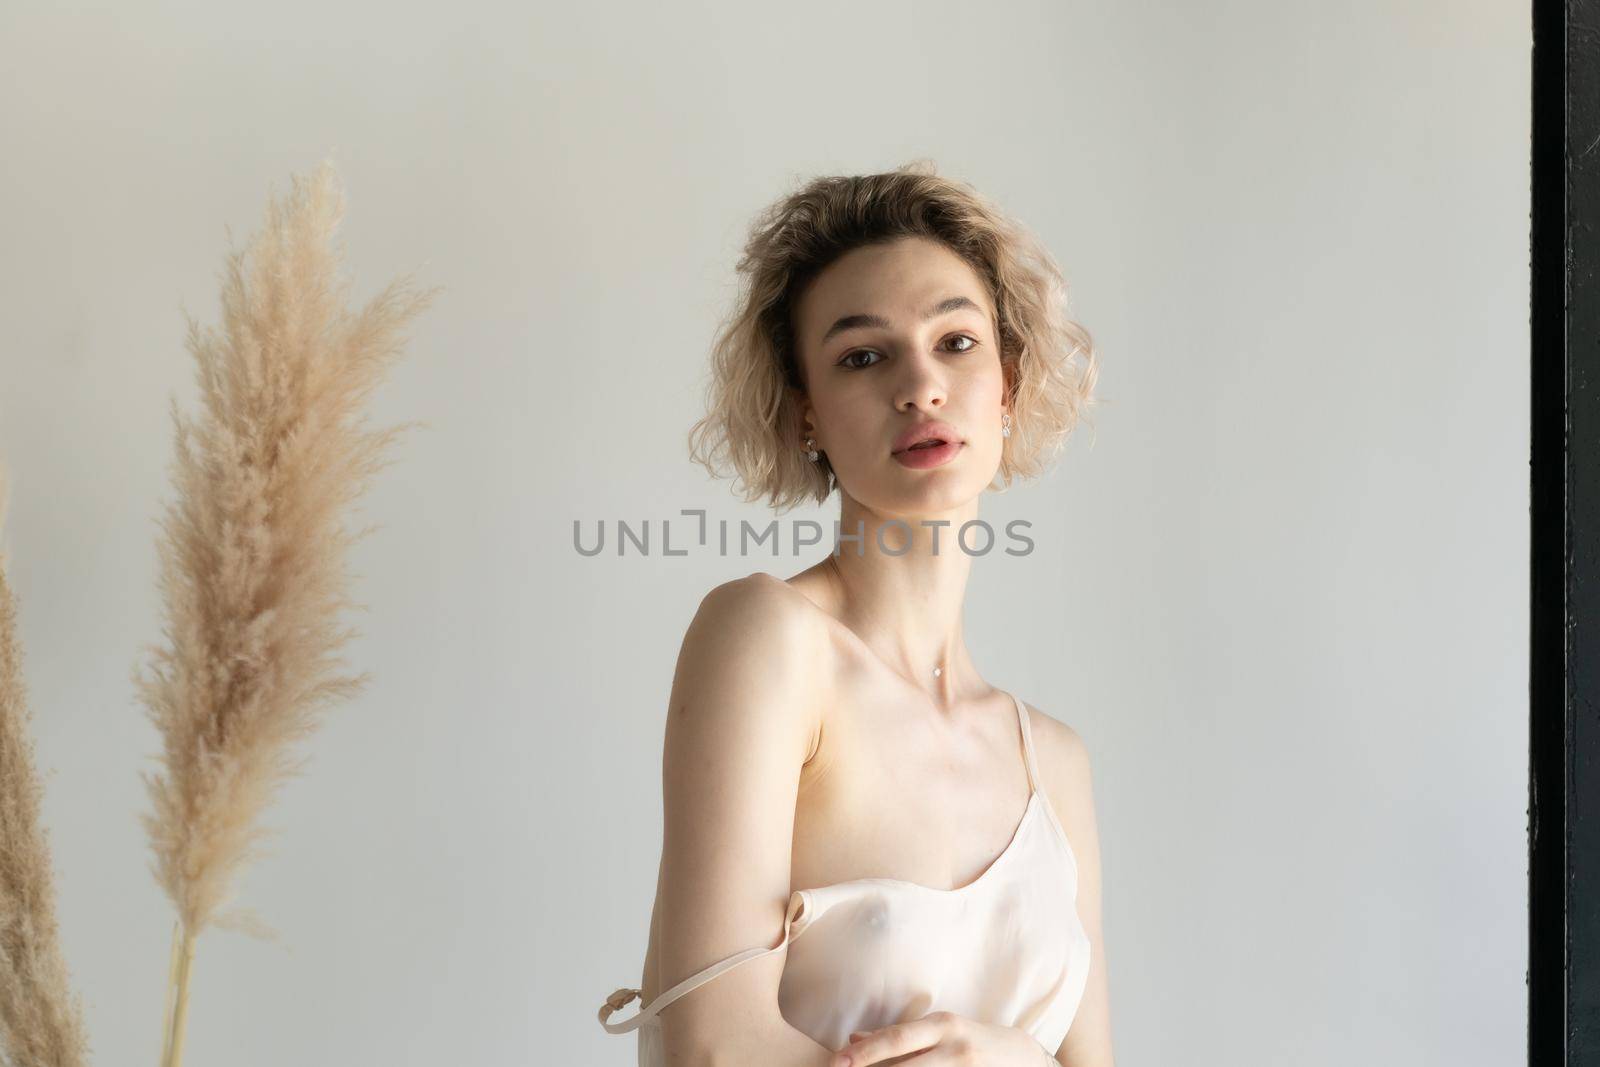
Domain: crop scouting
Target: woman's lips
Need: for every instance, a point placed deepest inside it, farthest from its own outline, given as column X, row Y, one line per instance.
column 928, row 456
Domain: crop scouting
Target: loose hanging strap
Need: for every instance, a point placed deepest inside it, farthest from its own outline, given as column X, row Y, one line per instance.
column 616, row 1001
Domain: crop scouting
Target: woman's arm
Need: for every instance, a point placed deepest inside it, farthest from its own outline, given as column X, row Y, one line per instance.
column 741, row 723
column 1071, row 789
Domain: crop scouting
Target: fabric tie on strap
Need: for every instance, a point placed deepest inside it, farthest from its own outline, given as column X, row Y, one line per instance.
column 619, row 1000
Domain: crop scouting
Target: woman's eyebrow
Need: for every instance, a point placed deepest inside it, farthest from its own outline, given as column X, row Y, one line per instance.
column 852, row 322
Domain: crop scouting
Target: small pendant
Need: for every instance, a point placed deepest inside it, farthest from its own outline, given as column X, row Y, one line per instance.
column 937, row 671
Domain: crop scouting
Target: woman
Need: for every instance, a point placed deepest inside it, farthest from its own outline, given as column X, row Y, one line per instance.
column 834, row 766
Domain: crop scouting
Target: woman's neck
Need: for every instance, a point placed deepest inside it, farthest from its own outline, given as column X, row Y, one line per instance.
column 907, row 607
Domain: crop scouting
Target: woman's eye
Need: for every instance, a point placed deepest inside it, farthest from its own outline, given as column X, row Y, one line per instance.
column 848, row 360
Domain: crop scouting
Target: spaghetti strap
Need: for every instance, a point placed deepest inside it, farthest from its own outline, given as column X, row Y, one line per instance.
column 1027, row 744
column 621, row 997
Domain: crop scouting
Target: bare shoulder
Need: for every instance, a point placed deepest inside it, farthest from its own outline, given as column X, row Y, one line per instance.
column 757, row 591
column 759, row 615
column 1060, row 748
column 751, row 644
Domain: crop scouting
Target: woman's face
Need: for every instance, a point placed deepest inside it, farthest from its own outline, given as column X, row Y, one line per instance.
column 892, row 336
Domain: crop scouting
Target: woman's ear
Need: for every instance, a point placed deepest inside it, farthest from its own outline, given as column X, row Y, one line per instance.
column 805, row 416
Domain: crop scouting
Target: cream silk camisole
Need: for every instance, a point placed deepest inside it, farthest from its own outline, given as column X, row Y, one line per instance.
column 1006, row 948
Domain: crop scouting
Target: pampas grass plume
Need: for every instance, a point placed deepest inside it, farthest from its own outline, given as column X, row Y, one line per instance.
column 41, row 1023
column 253, row 554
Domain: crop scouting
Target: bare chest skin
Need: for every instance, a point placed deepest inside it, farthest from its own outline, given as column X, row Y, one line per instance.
column 896, row 787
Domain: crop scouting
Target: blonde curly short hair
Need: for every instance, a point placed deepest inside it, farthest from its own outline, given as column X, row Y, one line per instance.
column 751, row 427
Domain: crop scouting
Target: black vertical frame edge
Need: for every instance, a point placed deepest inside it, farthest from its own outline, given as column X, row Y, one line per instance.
column 1564, row 460
column 1547, row 741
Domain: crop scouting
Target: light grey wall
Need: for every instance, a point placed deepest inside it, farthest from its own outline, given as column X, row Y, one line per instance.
column 1283, row 594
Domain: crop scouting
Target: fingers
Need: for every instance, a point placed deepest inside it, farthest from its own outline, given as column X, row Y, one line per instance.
column 902, row 1039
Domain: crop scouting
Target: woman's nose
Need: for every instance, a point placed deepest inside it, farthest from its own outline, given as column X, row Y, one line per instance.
column 922, row 383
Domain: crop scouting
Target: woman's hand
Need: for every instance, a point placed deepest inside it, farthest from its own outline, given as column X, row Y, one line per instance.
column 944, row 1039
